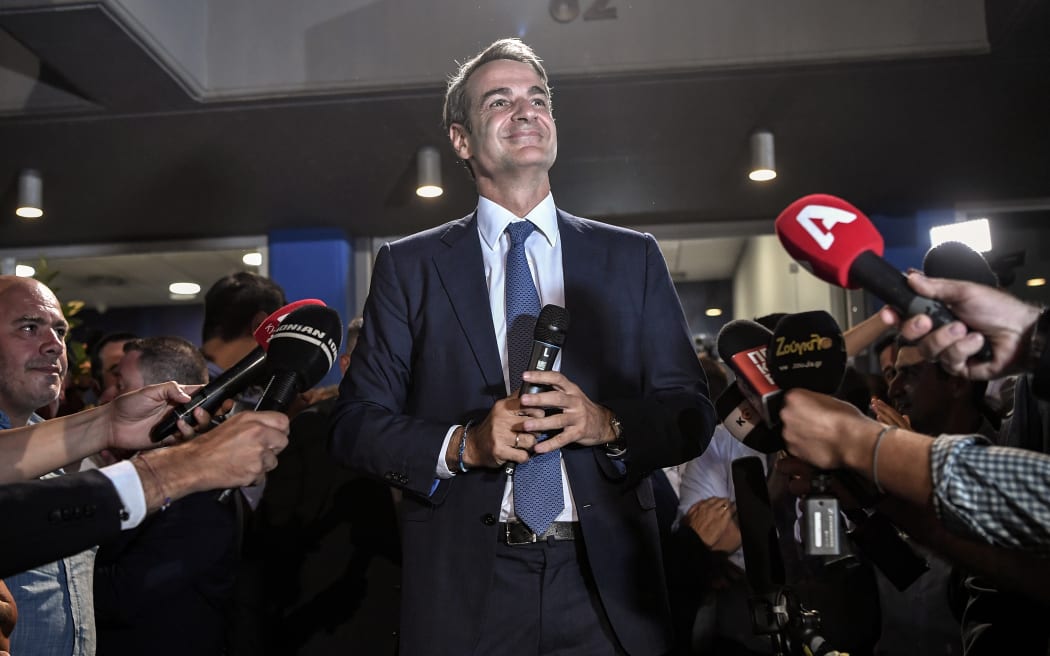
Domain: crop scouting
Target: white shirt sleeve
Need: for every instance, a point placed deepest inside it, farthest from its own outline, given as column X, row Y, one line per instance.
column 129, row 487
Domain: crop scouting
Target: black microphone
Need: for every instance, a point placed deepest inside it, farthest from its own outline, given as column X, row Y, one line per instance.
column 232, row 382
column 763, row 562
column 742, row 345
column 302, row 350
column 745, row 423
column 956, row 260
column 807, row 350
column 552, row 327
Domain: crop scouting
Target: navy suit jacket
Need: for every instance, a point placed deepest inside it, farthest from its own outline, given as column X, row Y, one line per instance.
column 45, row 520
column 427, row 358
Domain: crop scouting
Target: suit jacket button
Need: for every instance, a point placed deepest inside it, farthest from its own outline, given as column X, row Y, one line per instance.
column 488, row 519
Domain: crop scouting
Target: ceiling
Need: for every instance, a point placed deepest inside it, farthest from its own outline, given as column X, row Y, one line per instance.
column 130, row 155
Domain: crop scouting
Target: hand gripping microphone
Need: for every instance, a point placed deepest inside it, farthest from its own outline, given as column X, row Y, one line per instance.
column 745, row 423
column 742, row 345
column 835, row 241
column 302, row 350
column 552, row 327
column 231, row 382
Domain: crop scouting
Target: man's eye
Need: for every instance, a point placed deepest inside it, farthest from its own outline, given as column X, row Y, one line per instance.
column 540, row 102
column 498, row 103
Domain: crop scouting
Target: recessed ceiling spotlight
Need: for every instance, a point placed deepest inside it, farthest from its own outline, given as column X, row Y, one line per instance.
column 252, row 259
column 184, row 288
column 1035, row 282
column 24, row 271
column 713, row 312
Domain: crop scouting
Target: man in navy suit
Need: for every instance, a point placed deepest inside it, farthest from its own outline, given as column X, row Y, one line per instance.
column 429, row 404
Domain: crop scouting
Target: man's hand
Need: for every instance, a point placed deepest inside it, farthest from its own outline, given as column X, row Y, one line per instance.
column 714, row 521
column 8, row 617
column 580, row 420
column 237, row 453
column 822, row 430
column 132, row 415
column 1001, row 318
column 499, row 439
column 887, row 414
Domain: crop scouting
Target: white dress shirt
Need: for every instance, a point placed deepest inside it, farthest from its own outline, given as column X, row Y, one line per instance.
column 543, row 252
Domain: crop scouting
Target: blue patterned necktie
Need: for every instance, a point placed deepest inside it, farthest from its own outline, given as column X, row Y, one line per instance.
column 537, row 482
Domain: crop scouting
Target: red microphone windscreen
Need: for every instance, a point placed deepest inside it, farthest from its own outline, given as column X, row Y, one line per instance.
column 269, row 325
column 827, row 234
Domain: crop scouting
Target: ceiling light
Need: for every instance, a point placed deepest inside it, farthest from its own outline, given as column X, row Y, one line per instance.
column 976, row 234
column 763, row 164
column 429, row 168
column 713, row 312
column 1035, row 282
column 184, row 288
column 30, row 195
column 24, row 271
column 252, row 259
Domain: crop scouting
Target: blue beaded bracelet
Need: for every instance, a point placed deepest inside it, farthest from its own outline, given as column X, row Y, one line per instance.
column 463, row 447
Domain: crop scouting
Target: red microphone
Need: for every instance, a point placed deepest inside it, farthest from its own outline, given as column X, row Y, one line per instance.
column 835, row 241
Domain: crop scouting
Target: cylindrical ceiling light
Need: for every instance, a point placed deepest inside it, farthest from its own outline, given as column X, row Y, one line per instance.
column 429, row 163
column 30, row 195
column 763, row 164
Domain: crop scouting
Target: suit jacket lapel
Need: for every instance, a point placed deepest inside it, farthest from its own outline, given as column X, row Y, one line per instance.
column 462, row 273
column 583, row 266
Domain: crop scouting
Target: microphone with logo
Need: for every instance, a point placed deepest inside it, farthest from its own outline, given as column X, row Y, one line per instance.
column 302, row 350
column 552, row 327
column 835, row 241
column 742, row 344
column 248, row 371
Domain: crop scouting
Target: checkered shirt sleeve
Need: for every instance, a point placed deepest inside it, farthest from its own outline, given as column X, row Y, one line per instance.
column 999, row 494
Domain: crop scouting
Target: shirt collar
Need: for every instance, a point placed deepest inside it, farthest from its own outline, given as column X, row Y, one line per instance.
column 493, row 220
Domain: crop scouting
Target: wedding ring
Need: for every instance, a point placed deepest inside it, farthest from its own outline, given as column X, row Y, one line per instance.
column 516, row 438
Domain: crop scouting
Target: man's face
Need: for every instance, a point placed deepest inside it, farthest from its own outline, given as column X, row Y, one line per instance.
column 110, row 357
column 128, row 376
column 32, row 347
column 919, row 391
column 887, row 361
column 511, row 123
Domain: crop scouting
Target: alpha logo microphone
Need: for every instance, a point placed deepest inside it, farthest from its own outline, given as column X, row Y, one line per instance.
column 845, row 249
column 828, row 218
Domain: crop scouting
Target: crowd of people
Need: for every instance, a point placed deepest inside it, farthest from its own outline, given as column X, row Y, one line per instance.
column 430, row 505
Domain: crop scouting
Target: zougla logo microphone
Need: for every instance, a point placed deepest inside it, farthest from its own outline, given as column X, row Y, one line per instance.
column 835, row 241
column 234, row 380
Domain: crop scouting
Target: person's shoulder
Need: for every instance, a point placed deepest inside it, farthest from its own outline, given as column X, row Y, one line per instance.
column 432, row 238
column 591, row 227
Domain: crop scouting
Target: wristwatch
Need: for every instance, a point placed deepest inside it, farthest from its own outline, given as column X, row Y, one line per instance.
column 617, row 447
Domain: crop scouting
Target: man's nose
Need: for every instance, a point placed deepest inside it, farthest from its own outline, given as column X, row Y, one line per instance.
column 53, row 342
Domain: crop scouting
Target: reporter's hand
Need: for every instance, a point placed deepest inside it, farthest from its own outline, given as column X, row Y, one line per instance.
column 823, row 430
column 714, row 522
column 990, row 313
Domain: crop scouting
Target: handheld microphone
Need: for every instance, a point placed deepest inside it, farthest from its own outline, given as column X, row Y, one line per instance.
column 552, row 327
column 745, row 423
column 231, row 382
column 835, row 241
column 764, row 564
column 742, row 344
column 302, row 350
column 956, row 260
column 807, row 350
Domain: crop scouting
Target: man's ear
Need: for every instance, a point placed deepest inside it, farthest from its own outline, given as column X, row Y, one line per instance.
column 459, row 137
column 257, row 320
